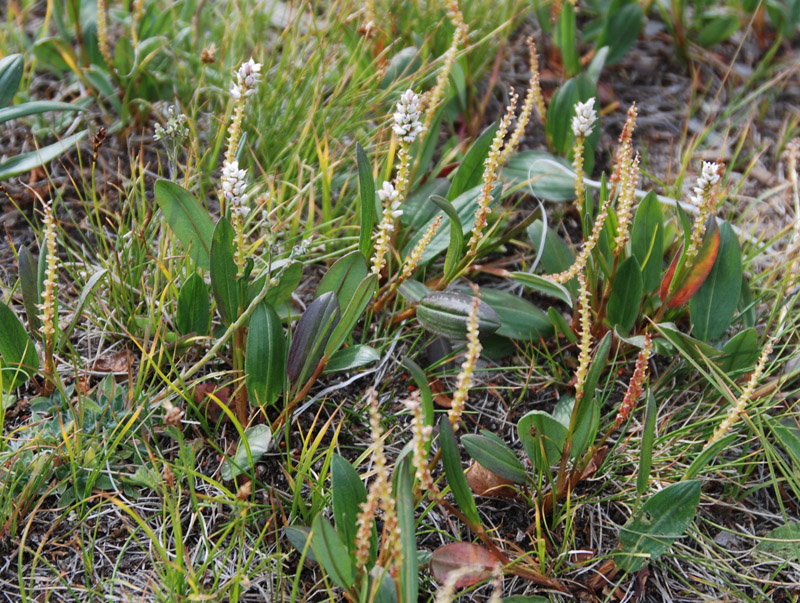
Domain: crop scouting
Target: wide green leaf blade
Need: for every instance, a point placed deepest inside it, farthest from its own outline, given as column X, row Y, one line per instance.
column 34, row 108
column 355, row 308
column 495, row 456
column 21, row 164
column 266, row 356
column 366, row 191
column 451, row 459
column 348, row 494
column 257, row 440
column 224, row 272
column 470, row 172
column 194, row 309
column 542, row 437
column 626, row 296
column 404, row 495
column 712, row 307
column 11, row 68
column 519, row 319
column 188, row 219
column 657, row 524
column 310, row 336
column 354, row 357
column 344, row 277
column 453, row 256
column 647, row 240
column 543, row 285
column 17, row 350
column 29, row 283
column 331, row 553
column 550, row 178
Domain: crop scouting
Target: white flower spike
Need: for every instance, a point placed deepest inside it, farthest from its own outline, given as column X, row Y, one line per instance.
column 247, row 78
column 407, row 125
column 585, row 116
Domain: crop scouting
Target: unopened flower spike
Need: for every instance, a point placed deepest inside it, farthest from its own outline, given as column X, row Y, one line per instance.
column 705, row 196
column 582, row 123
column 466, row 375
column 532, row 97
column 434, row 97
column 624, row 153
column 421, row 436
column 49, row 298
column 584, row 356
column 390, row 198
column 491, row 166
column 636, row 385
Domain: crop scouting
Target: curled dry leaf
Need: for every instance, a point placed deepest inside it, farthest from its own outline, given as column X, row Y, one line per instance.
column 463, row 564
column 486, row 483
column 117, row 363
column 208, row 407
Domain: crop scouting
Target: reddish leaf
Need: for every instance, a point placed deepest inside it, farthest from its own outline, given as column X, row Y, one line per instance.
column 669, row 276
column 485, row 483
column 703, row 263
column 472, row 562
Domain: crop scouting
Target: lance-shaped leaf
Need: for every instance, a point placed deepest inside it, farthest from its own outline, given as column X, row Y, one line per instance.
column 331, row 553
column 193, row 306
column 519, row 318
column 412, row 291
column 472, row 562
column 83, row 299
column 681, row 281
column 224, row 283
column 453, row 256
column 310, row 336
column 470, row 172
column 280, row 293
column 11, row 68
column 266, row 356
column 543, row 438
column 740, row 352
column 543, row 285
column 626, row 295
column 31, row 292
column 495, row 456
column 24, row 163
column 344, row 277
column 355, row 308
column 712, row 307
column 657, row 524
column 34, row 108
column 257, row 440
column 348, row 494
column 446, row 313
column 598, row 365
column 404, row 495
column 648, row 437
column 451, row 460
column 586, row 422
column 188, row 219
column 550, row 178
column 17, row 350
column 366, row 191
column 647, row 240
column 348, row 359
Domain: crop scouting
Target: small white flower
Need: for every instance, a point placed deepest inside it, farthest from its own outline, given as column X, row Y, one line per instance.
column 709, row 176
column 247, row 77
column 234, row 183
column 585, row 116
column 407, row 125
column 710, row 172
column 387, row 193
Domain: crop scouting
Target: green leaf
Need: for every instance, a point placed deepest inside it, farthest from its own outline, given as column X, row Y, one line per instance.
column 34, row 108
column 417, row 211
column 542, row 437
column 366, row 191
column 355, row 308
column 519, row 319
column 266, row 356
column 740, row 352
column 446, row 313
column 348, row 494
column 404, row 495
column 331, row 553
column 24, row 163
column 188, row 219
column 257, row 440
column 621, row 27
column 717, row 29
column 194, row 309
column 781, row 544
column 280, row 293
column 682, row 281
column 299, row 537
column 560, row 324
column 712, row 307
column 496, row 457
column 556, row 256
column 648, row 437
column 310, row 336
column 470, row 172
column 647, row 241
column 566, row 41
column 413, row 291
column 17, row 350
column 787, row 433
column 657, row 524
column 707, row 454
column 424, row 389
column 354, row 357
column 88, row 291
column 626, row 296
column 598, row 365
column 454, row 254
column 586, row 422
column 344, row 277
column 451, row 459
column 11, row 68
column 224, row 283
column 543, row 285
column 550, row 178
column 29, row 284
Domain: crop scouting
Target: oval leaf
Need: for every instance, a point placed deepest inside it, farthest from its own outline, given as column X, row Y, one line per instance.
column 188, row 219
column 224, row 272
column 626, row 296
column 331, row 553
column 454, row 472
column 495, row 456
column 193, row 307
column 647, row 240
column 266, row 356
column 257, row 440
column 310, row 336
column 17, row 350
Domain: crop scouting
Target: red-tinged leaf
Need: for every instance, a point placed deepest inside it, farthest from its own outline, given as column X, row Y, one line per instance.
column 696, row 275
column 662, row 293
column 472, row 562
